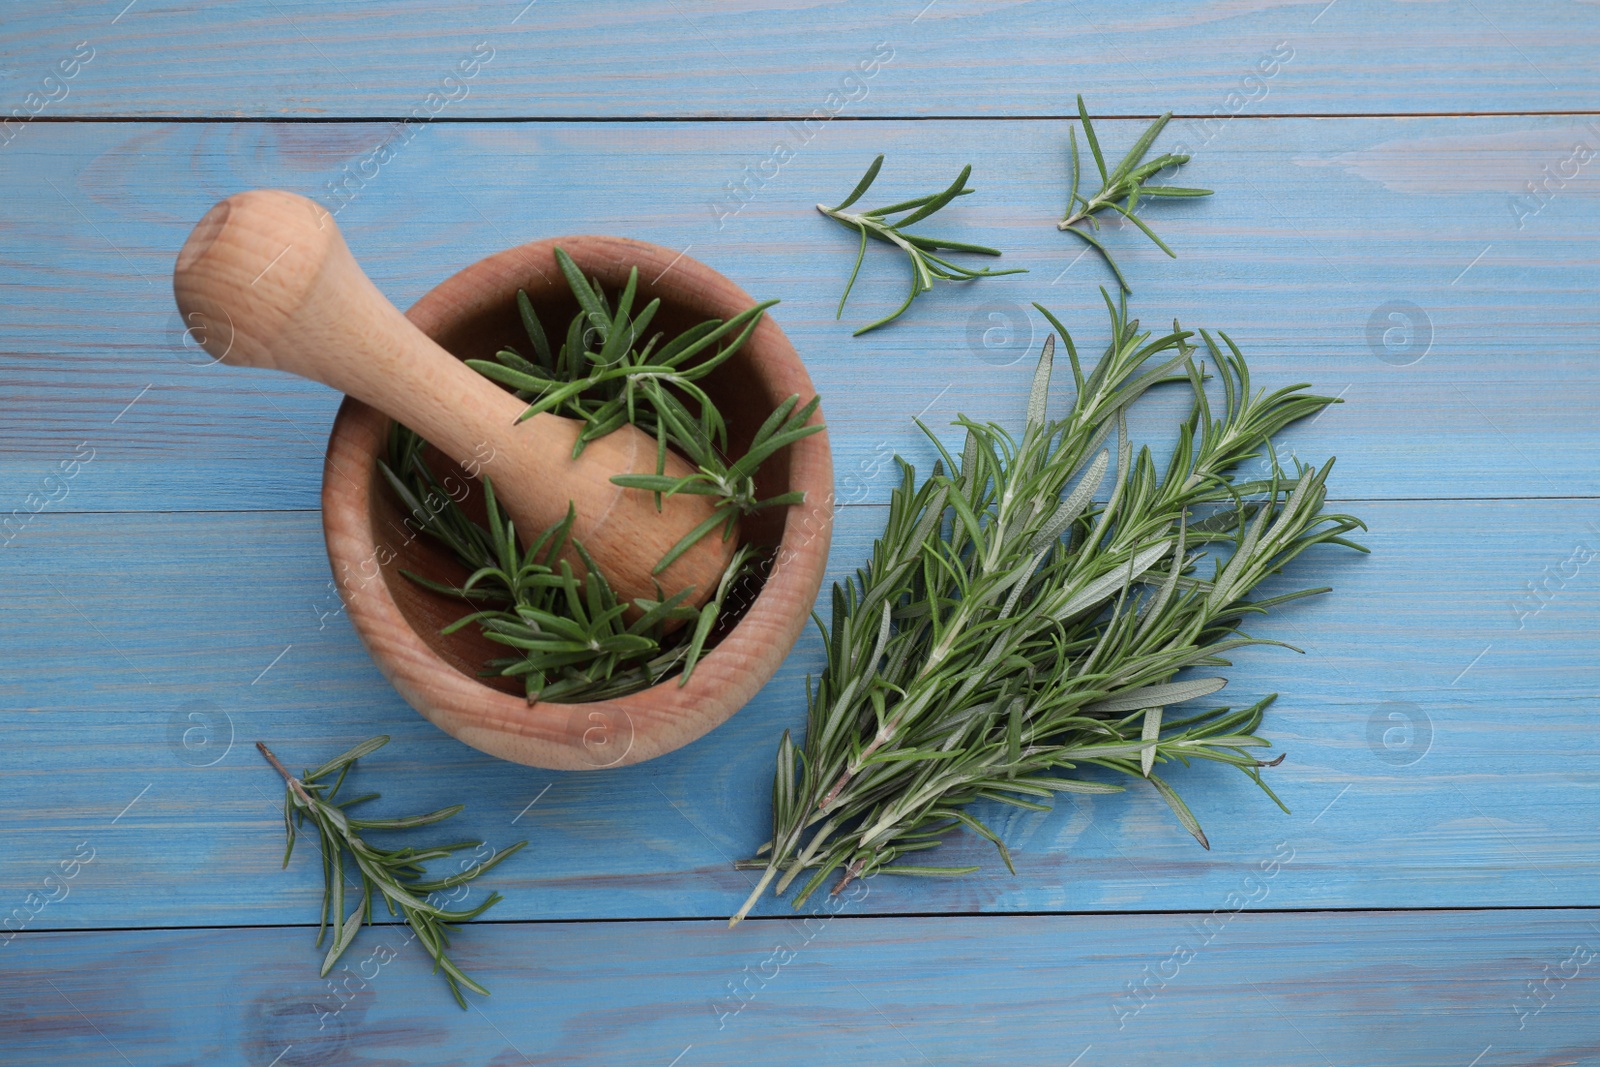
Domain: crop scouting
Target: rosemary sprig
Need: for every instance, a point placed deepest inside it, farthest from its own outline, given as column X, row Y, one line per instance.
column 1120, row 189
column 1009, row 633
column 606, row 373
column 570, row 638
column 396, row 875
column 926, row 264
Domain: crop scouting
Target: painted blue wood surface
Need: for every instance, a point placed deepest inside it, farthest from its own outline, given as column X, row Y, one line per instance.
column 1318, row 225
column 1440, row 989
column 172, row 604
column 1482, row 792
column 785, row 57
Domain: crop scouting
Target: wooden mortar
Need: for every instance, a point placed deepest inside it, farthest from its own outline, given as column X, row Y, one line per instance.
column 471, row 315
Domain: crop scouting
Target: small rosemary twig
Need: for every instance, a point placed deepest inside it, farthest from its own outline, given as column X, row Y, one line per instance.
column 396, row 874
column 925, row 264
column 1120, row 189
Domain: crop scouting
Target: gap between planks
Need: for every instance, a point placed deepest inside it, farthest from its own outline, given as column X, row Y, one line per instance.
column 447, row 120
column 869, row 917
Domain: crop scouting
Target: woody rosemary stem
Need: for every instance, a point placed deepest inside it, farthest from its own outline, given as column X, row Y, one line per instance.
column 294, row 783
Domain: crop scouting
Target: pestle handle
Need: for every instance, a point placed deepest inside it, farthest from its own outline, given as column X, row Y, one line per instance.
column 267, row 280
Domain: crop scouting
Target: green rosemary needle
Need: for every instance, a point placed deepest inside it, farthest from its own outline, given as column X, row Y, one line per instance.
column 926, row 264
column 1120, row 189
column 1009, row 633
column 396, row 875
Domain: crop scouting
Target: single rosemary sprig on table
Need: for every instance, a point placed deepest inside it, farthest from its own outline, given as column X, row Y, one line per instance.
column 396, row 875
column 1120, row 189
column 1009, row 633
column 926, row 264
column 570, row 639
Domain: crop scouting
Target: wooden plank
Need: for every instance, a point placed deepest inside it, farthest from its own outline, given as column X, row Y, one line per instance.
column 1318, row 227
column 781, row 57
column 1441, row 748
column 1280, row 990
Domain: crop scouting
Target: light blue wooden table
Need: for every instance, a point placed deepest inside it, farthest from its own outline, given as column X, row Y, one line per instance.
column 1405, row 216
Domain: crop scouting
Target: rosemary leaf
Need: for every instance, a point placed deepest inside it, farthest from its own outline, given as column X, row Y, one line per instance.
column 571, row 641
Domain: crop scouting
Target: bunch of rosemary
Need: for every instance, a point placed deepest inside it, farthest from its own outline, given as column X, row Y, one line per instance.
column 1010, row 633
column 569, row 638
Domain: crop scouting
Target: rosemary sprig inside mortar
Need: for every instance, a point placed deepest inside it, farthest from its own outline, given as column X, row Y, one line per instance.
column 1009, row 634
column 1120, row 189
column 569, row 639
column 396, row 875
column 569, row 636
column 926, row 265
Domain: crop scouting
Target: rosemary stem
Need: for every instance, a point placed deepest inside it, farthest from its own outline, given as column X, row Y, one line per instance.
column 911, row 707
column 397, row 874
column 1089, row 208
column 851, row 873
column 755, row 895
column 294, row 783
column 922, row 251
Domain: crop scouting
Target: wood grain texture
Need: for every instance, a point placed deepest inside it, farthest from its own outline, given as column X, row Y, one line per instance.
column 1317, row 226
column 1386, row 990
column 695, row 58
column 1440, row 746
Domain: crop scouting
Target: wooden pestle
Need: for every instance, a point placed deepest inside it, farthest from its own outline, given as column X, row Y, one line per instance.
column 267, row 281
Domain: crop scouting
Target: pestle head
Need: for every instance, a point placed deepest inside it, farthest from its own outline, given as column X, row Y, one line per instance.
column 247, row 269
